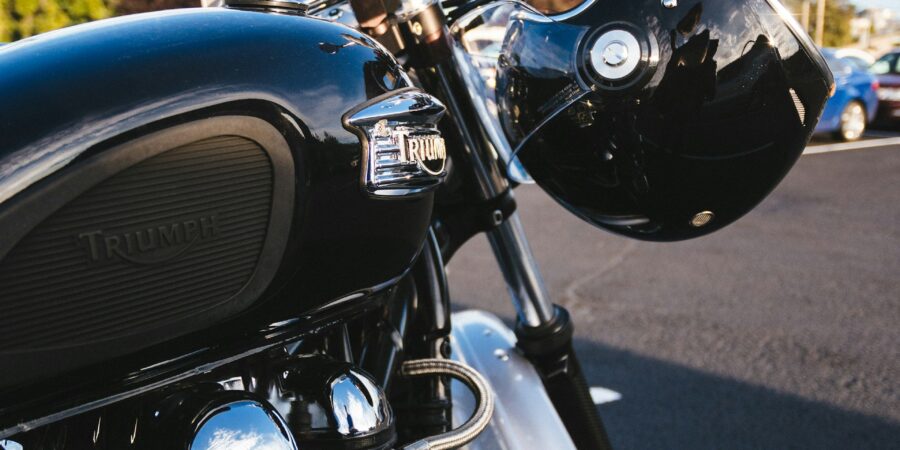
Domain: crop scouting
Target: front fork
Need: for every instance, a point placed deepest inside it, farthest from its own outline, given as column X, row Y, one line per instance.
column 544, row 333
column 544, row 330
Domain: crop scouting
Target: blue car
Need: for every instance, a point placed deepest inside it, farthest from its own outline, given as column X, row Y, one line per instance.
column 855, row 101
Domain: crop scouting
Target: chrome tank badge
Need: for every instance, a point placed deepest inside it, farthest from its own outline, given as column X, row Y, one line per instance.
column 403, row 151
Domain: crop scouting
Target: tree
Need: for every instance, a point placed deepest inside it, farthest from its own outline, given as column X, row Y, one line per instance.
column 838, row 14
column 23, row 18
column 7, row 23
column 138, row 6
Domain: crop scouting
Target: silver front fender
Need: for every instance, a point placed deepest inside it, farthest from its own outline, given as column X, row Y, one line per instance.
column 524, row 418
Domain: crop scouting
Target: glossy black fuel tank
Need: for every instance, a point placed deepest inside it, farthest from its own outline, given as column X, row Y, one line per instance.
column 167, row 173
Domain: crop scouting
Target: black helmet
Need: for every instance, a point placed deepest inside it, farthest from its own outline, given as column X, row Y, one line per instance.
column 660, row 119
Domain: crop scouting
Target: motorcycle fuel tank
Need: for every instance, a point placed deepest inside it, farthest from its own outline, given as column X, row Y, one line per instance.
column 659, row 120
column 166, row 173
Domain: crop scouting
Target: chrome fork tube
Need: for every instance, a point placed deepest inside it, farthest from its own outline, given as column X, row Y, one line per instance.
column 521, row 272
column 488, row 156
column 544, row 331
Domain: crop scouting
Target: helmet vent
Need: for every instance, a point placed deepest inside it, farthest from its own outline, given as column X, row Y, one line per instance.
column 801, row 110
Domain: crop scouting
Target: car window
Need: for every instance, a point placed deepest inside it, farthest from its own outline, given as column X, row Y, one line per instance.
column 856, row 63
column 886, row 64
column 838, row 66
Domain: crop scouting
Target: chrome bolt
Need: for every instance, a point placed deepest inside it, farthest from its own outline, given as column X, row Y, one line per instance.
column 497, row 217
column 670, row 4
column 417, row 28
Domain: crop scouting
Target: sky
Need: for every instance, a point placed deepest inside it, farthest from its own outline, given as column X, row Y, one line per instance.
column 892, row 4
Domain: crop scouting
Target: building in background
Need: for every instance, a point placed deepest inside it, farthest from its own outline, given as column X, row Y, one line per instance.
column 876, row 29
column 843, row 24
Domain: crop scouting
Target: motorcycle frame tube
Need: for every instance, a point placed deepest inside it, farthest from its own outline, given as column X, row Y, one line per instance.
column 383, row 350
column 428, row 337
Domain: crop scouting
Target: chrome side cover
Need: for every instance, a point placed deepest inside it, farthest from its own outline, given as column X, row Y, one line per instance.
column 403, row 151
column 524, row 418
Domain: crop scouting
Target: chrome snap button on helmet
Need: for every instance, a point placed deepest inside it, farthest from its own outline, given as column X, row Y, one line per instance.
column 618, row 56
column 615, row 54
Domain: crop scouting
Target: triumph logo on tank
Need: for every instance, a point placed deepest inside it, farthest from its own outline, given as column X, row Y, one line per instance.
column 426, row 150
column 422, row 148
column 403, row 152
column 151, row 244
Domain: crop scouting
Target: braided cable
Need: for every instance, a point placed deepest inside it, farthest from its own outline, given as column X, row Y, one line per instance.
column 484, row 400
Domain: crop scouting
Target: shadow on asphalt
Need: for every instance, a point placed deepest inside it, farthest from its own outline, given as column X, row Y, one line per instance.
column 670, row 406
column 667, row 406
column 801, row 295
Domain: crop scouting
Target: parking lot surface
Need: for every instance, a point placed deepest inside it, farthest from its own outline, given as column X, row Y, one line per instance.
column 779, row 332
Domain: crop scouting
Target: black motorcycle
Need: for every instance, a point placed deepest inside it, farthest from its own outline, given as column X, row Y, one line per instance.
column 227, row 227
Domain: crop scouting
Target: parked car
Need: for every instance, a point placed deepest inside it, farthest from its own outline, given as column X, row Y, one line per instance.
column 860, row 59
column 855, row 101
column 887, row 68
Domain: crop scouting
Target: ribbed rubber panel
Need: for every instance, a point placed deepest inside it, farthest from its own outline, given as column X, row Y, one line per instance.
column 170, row 237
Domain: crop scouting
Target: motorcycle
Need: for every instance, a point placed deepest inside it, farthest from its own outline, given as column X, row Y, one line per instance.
column 227, row 227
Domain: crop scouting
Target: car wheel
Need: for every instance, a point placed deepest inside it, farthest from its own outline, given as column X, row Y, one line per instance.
column 853, row 122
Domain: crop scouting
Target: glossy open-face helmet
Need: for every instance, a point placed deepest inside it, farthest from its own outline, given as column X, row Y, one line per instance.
column 658, row 119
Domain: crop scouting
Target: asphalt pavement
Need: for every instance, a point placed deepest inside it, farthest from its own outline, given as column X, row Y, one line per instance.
column 779, row 332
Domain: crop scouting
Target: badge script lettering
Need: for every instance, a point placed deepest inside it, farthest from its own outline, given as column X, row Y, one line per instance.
column 429, row 151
